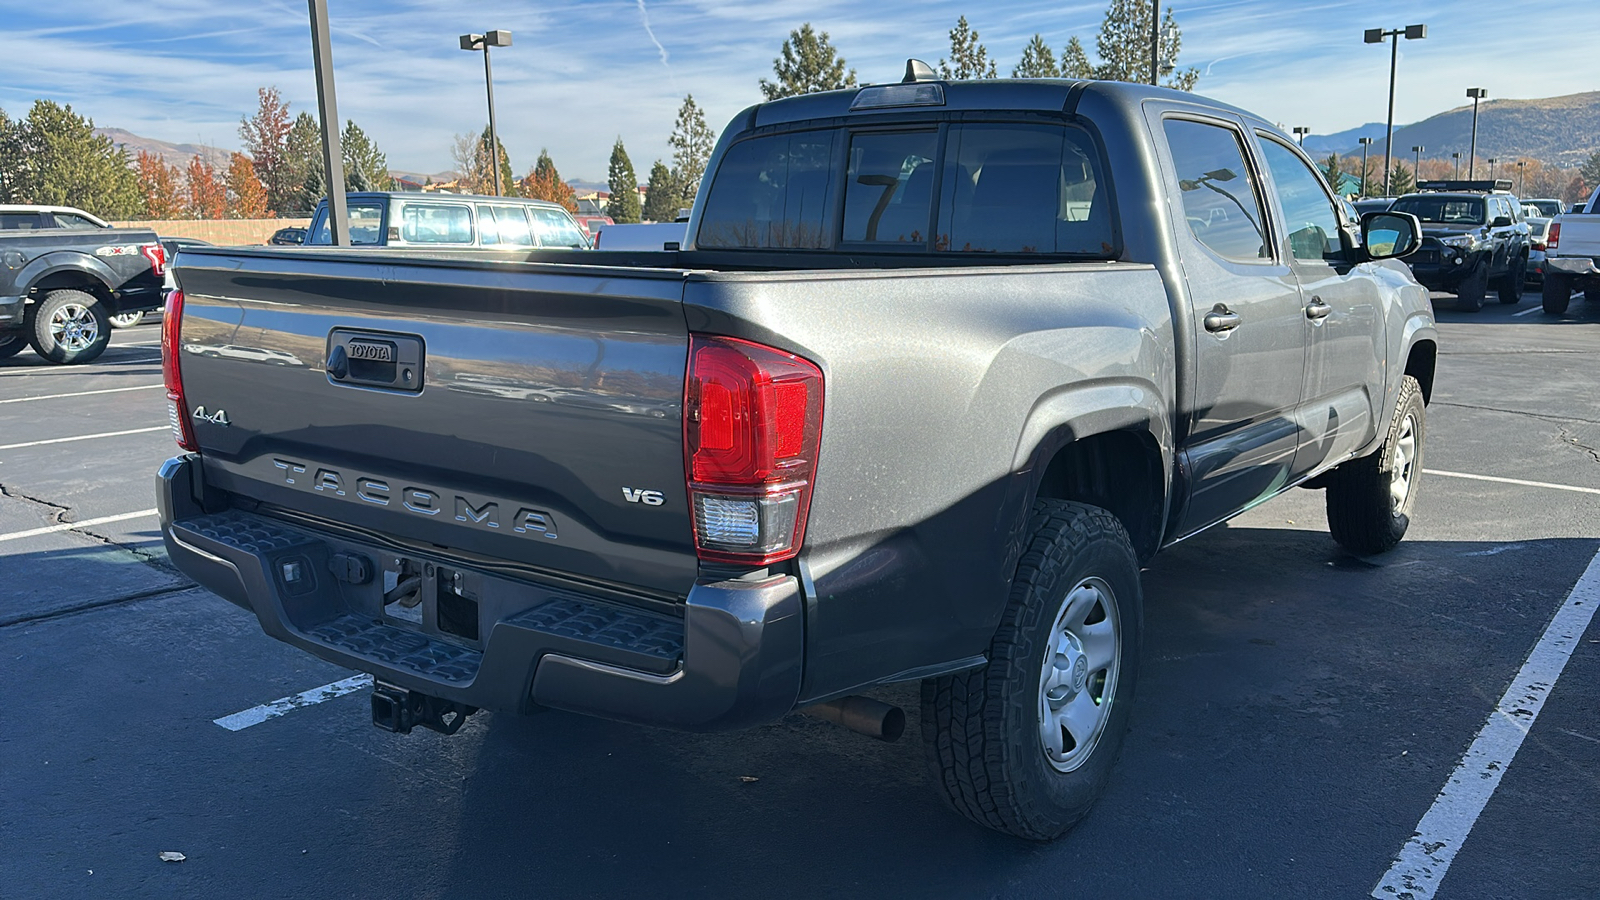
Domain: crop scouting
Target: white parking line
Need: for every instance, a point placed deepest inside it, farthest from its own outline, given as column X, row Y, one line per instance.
column 142, row 387
column 255, row 715
column 1426, row 857
column 84, row 437
column 1527, row 312
column 74, row 526
column 1495, row 478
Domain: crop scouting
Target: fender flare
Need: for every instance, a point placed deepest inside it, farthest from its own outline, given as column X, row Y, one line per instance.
column 41, row 267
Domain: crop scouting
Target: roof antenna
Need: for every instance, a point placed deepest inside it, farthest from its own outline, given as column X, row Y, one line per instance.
column 917, row 70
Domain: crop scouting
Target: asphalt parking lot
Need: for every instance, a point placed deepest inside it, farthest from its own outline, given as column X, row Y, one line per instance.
column 1301, row 711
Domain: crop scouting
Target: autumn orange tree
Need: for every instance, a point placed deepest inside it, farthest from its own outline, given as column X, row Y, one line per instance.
column 158, row 187
column 208, row 196
column 544, row 183
column 247, row 198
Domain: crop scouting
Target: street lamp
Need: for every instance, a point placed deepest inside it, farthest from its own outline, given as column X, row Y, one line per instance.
column 1300, row 132
column 1520, row 164
column 1457, row 158
column 1491, row 168
column 1472, row 150
column 484, row 42
column 1416, row 163
column 1365, row 143
column 1376, row 36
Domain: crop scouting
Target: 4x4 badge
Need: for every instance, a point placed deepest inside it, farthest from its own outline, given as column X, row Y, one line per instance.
column 220, row 417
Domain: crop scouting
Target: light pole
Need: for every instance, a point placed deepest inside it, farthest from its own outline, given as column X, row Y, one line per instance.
column 1155, row 42
column 328, row 114
column 1376, row 36
column 1365, row 143
column 1472, row 149
column 1491, row 168
column 1520, row 164
column 1457, row 158
column 1416, row 163
column 1300, row 132
column 484, row 42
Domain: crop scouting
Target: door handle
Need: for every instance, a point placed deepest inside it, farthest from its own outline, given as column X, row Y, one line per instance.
column 1316, row 310
column 1221, row 319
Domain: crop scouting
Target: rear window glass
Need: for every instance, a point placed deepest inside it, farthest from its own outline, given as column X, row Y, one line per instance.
column 364, row 220
column 1445, row 210
column 556, row 229
column 772, row 193
column 888, row 188
column 1023, row 189
column 436, row 223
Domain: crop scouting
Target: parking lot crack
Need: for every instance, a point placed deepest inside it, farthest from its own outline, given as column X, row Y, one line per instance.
column 1568, row 438
column 1516, row 412
column 58, row 513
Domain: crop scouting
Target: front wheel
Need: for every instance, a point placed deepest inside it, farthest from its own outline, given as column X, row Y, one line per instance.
column 126, row 320
column 1370, row 499
column 1026, row 744
column 1471, row 291
column 1511, row 287
column 68, row 327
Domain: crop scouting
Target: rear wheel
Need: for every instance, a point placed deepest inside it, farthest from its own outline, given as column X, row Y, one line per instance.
column 1370, row 499
column 1556, row 293
column 1511, row 287
column 1470, row 293
column 68, row 327
column 1025, row 744
column 11, row 343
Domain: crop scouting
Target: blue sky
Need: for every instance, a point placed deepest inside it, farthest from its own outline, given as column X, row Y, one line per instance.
column 580, row 74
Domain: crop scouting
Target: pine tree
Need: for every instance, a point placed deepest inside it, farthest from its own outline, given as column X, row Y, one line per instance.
column 1590, row 171
column 968, row 58
column 67, row 164
column 1332, row 171
column 1124, row 45
column 544, row 183
column 1037, row 61
column 691, row 140
column 363, row 160
column 11, row 159
column 508, row 180
column 1400, row 181
column 208, row 197
column 808, row 64
column 1074, row 61
column 247, row 198
column 302, row 167
column 266, row 142
column 661, row 198
column 623, row 185
column 158, row 187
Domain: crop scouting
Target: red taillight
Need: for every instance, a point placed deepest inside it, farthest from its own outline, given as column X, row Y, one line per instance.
column 177, row 407
column 752, row 425
column 1538, row 245
column 157, row 256
column 1555, row 236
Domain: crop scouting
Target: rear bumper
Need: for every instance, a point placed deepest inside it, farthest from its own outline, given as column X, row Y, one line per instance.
column 1570, row 265
column 731, row 660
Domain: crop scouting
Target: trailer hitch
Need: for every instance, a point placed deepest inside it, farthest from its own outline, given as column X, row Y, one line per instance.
column 399, row 710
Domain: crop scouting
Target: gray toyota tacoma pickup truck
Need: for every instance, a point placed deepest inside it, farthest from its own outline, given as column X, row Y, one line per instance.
column 939, row 366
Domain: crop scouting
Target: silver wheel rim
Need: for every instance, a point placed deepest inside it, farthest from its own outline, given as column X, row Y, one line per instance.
column 1402, row 472
column 73, row 327
column 126, row 318
column 1079, row 676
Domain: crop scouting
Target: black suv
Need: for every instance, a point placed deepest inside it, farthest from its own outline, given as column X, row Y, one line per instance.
column 1474, row 236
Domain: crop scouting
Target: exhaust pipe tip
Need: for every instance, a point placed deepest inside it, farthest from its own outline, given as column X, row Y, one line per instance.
column 863, row 715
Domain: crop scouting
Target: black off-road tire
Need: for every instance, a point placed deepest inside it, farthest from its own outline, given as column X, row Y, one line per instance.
column 1364, row 515
column 1470, row 292
column 89, row 311
column 1556, row 293
column 983, row 729
column 1511, row 285
column 12, row 343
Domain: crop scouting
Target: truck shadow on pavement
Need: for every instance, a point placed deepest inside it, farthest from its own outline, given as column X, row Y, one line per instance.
column 1295, row 703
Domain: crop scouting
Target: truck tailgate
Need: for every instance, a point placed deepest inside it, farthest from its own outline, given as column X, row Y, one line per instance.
column 526, row 414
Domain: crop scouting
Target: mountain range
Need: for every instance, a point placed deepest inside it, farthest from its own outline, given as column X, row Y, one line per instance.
column 1559, row 130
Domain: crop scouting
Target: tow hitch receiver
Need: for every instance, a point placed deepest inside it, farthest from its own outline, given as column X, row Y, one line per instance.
column 398, row 710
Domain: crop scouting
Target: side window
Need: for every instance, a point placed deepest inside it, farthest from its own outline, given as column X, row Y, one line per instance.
column 888, row 188
column 435, row 223
column 488, row 229
column 772, row 192
column 1313, row 224
column 364, row 222
column 77, row 223
column 1023, row 188
column 556, row 229
column 512, row 224
column 1220, row 198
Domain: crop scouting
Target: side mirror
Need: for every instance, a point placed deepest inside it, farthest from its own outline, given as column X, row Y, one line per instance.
column 1501, row 222
column 1390, row 235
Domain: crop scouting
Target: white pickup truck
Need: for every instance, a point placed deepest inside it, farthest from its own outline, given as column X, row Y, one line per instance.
column 1572, row 260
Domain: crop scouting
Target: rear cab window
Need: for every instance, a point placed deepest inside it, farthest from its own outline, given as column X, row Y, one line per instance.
column 1221, row 201
column 930, row 187
column 554, row 228
column 24, row 221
